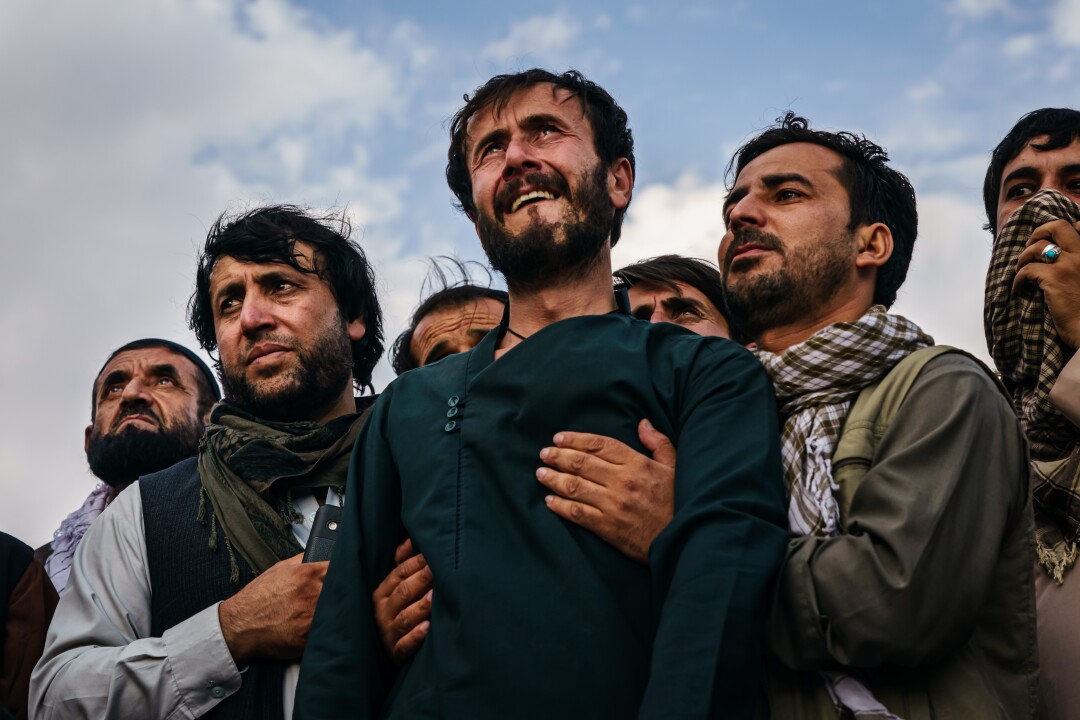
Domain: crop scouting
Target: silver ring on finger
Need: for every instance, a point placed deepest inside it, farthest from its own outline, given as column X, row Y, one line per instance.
column 1050, row 253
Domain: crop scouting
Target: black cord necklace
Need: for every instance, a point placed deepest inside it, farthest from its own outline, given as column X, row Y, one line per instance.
column 514, row 332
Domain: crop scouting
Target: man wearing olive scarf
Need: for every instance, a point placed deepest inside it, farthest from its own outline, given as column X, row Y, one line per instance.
column 188, row 597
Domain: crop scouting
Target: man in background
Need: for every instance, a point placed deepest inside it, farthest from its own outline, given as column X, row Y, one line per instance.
column 452, row 319
column 682, row 290
column 148, row 411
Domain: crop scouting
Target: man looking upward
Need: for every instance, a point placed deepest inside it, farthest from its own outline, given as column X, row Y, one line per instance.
column 148, row 410
column 534, row 617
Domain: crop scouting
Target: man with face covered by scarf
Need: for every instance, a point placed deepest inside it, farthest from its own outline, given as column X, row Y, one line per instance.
column 204, row 605
column 1032, row 322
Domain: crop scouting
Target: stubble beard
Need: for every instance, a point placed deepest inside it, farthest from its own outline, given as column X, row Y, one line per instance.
column 301, row 392
column 807, row 279
column 549, row 253
column 131, row 452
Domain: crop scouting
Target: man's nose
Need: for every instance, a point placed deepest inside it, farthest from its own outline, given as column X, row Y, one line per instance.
column 658, row 314
column 520, row 157
column 747, row 211
column 255, row 314
column 135, row 391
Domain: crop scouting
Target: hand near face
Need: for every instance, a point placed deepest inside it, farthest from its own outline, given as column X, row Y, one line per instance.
column 403, row 604
column 1060, row 280
column 605, row 486
column 271, row 616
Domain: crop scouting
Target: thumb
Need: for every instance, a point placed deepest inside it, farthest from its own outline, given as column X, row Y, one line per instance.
column 657, row 443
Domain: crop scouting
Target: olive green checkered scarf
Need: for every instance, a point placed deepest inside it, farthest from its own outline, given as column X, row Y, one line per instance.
column 1024, row 343
column 816, row 382
column 248, row 468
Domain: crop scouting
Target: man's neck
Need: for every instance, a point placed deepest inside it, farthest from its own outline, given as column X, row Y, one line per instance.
column 587, row 294
column 344, row 405
column 780, row 338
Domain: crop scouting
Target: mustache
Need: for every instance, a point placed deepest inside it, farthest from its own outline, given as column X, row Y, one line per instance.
column 265, row 336
column 552, row 183
column 138, row 408
column 752, row 236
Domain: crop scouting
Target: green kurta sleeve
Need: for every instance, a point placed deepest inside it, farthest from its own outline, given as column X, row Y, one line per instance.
column 923, row 540
column 344, row 673
column 714, row 563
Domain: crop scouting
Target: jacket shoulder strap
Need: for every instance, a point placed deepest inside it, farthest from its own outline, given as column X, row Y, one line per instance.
column 869, row 418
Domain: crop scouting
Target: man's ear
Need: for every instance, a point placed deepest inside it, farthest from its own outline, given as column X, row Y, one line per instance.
column 620, row 183
column 86, row 438
column 357, row 329
column 875, row 245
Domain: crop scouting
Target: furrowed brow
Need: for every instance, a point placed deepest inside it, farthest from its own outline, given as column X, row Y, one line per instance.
column 165, row 370
column 1026, row 172
column 112, row 378
column 490, row 137
column 775, row 181
column 1071, row 169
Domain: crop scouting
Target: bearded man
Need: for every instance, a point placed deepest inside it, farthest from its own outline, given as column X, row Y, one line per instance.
column 187, row 597
column 148, row 410
column 907, row 588
column 533, row 616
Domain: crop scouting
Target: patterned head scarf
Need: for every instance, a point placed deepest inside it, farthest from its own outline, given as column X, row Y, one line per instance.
column 1024, row 343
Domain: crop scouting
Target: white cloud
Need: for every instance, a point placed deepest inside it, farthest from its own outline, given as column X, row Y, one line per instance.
column 944, row 288
column 684, row 219
column 978, row 9
column 924, row 91
column 1021, row 45
column 542, row 37
column 142, row 121
column 1066, row 22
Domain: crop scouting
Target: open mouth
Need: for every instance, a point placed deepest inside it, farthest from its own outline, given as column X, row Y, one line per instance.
column 529, row 198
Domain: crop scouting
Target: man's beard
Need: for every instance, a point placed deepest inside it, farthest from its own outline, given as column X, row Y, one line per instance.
column 806, row 280
column 535, row 258
column 132, row 452
column 301, row 392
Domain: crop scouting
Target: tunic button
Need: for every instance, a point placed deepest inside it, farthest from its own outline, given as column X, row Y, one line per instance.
column 453, row 401
column 452, row 412
column 217, row 692
column 450, row 426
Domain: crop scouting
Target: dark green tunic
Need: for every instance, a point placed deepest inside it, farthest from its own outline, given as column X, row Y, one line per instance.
column 534, row 616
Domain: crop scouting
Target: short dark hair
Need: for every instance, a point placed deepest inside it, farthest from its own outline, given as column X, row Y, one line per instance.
column 269, row 235
column 455, row 289
column 612, row 137
column 667, row 270
column 876, row 192
column 208, row 388
column 1060, row 125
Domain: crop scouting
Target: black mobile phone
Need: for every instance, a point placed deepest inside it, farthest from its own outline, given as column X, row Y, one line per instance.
column 324, row 532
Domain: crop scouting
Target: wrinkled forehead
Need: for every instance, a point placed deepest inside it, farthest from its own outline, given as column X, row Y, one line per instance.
column 453, row 321
column 130, row 362
column 538, row 99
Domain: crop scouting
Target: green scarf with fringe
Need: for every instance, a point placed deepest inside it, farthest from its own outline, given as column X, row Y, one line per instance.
column 248, row 469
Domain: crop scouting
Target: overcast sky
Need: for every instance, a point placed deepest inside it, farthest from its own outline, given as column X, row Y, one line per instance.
column 127, row 126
